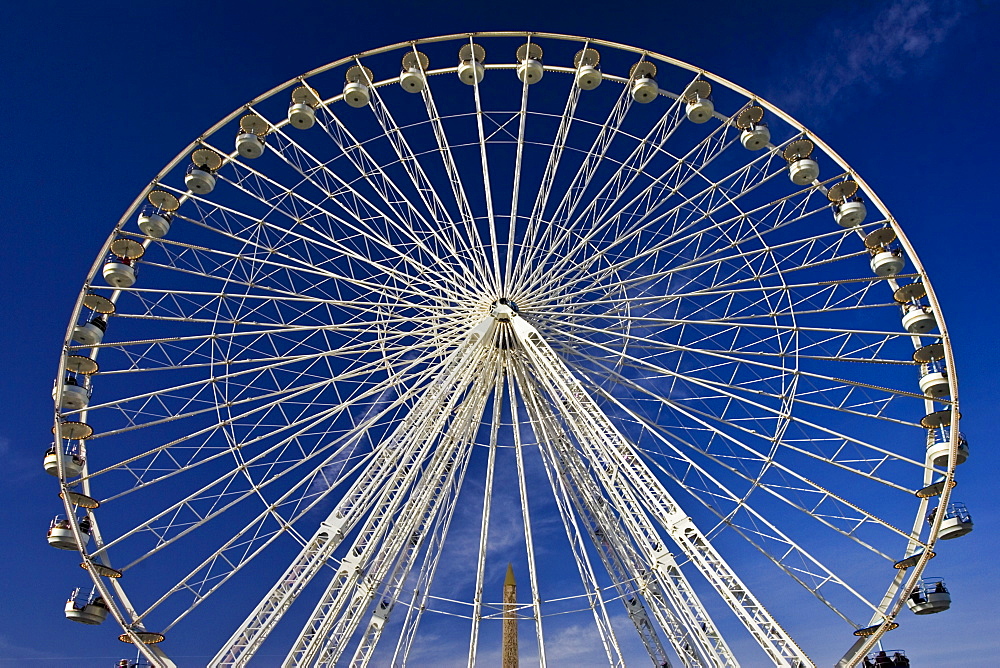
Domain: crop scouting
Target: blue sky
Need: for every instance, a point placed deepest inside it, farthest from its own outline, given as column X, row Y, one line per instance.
column 97, row 99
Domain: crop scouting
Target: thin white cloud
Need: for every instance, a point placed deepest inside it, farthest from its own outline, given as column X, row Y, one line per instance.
column 8, row 648
column 855, row 54
column 330, row 472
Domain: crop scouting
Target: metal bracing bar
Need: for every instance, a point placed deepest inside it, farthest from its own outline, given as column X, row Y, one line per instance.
column 421, row 181
column 487, row 187
column 548, row 178
column 529, row 544
column 465, row 423
column 696, row 640
column 443, row 485
column 683, row 171
column 616, row 463
column 441, row 222
column 310, row 639
column 689, row 628
column 623, row 563
column 325, row 239
column 574, row 192
column 337, row 187
column 428, row 426
column 415, row 516
column 484, row 527
column 670, row 581
column 342, row 519
column 338, row 524
column 632, row 509
column 467, row 218
column 591, row 218
column 568, row 498
column 663, row 183
column 421, row 590
column 594, row 593
column 308, row 644
column 311, row 559
column 516, row 191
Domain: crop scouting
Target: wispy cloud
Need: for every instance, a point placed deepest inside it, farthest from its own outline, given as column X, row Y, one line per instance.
column 11, row 649
column 329, row 473
column 860, row 52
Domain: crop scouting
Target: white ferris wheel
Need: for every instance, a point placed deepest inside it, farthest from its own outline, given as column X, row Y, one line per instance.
column 507, row 298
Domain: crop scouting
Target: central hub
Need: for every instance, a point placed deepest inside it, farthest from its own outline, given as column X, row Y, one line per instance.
column 503, row 309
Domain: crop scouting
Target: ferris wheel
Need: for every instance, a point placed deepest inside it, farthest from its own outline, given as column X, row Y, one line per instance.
column 507, row 304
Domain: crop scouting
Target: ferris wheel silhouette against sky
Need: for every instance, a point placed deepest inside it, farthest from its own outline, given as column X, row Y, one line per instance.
column 672, row 349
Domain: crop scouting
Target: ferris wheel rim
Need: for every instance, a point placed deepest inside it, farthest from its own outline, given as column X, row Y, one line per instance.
column 201, row 141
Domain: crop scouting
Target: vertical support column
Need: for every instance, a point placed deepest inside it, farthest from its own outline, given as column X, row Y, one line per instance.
column 439, row 486
column 625, row 476
column 582, row 493
column 395, row 454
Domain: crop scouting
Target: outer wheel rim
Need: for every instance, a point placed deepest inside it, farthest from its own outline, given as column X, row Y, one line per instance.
column 130, row 215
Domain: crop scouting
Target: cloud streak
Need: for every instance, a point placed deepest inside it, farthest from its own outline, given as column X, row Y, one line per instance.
column 868, row 50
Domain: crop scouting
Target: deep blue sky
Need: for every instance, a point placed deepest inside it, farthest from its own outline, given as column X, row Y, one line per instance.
column 97, row 97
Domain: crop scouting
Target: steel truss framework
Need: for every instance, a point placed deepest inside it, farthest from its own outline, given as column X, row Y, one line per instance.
column 508, row 321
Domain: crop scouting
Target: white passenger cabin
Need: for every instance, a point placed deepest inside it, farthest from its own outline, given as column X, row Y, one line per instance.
column 918, row 319
column 200, row 177
column 934, row 380
column 71, row 461
column 754, row 134
column 850, row 213
column 756, row 137
column 60, row 535
column 938, row 451
column 412, row 80
column 91, row 333
column 957, row 522
column 199, row 181
column 530, row 71
column 75, row 393
column 802, row 168
column 301, row 115
column 155, row 225
column 644, row 90
column 588, row 77
column 470, row 64
column 86, row 610
column 644, row 87
column 119, row 273
column 529, row 63
column 886, row 262
column 414, row 64
column 929, row 597
column 698, row 105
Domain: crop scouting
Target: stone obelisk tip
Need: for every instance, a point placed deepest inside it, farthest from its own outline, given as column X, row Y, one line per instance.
column 509, row 654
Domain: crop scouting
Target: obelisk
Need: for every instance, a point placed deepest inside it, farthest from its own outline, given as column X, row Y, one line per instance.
column 509, row 653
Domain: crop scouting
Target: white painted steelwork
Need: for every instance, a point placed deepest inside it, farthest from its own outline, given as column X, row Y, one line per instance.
column 473, row 321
